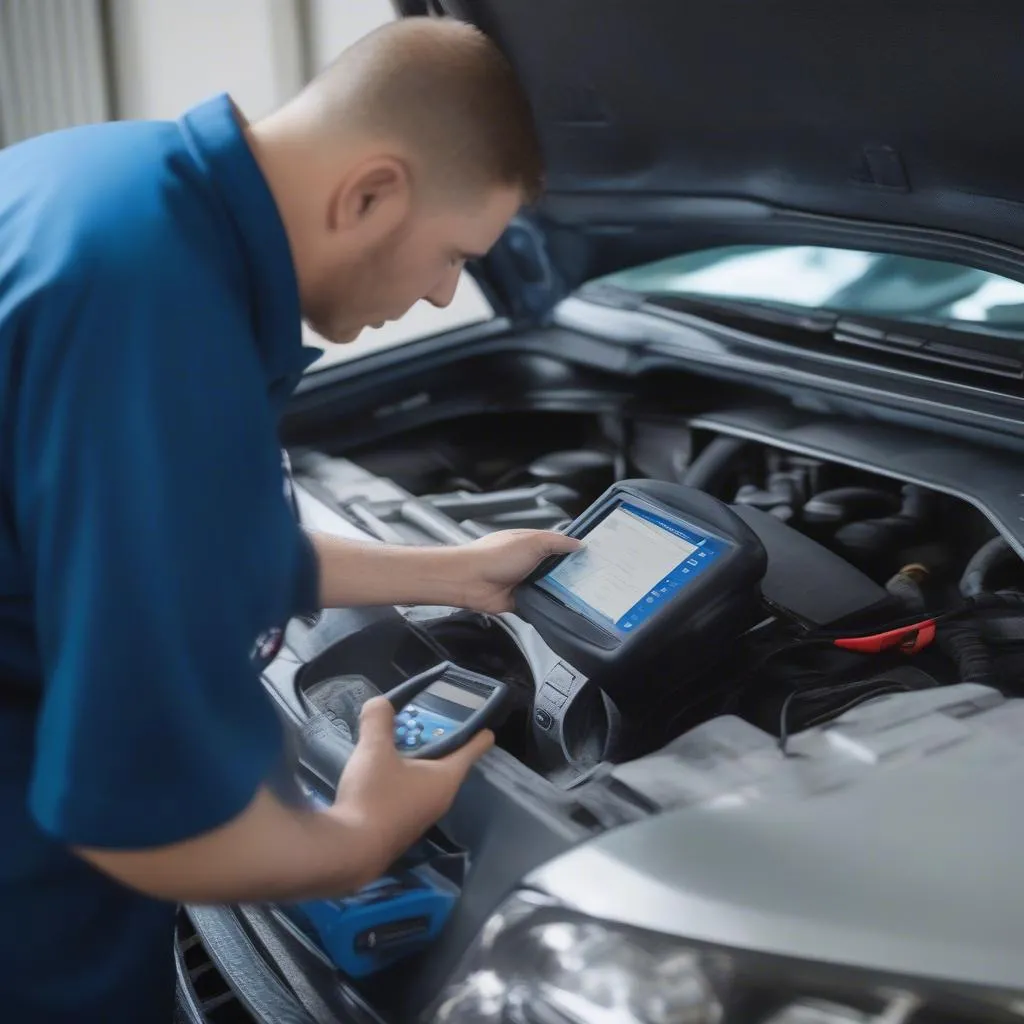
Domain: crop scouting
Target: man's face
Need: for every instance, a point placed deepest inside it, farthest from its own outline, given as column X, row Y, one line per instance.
column 422, row 257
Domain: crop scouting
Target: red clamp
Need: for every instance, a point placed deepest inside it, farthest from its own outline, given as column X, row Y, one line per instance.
column 908, row 639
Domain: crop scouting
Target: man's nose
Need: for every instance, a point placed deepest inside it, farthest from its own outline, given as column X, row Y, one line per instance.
column 442, row 295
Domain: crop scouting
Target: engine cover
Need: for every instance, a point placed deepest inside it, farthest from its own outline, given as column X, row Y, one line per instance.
column 805, row 578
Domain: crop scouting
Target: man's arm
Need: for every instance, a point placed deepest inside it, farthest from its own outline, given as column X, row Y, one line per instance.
column 479, row 575
column 272, row 852
column 153, row 521
column 269, row 852
column 367, row 573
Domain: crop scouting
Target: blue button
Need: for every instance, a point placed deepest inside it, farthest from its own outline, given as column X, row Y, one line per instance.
column 412, row 741
column 400, row 731
column 412, row 712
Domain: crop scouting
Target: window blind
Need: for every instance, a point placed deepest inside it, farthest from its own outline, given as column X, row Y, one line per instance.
column 53, row 69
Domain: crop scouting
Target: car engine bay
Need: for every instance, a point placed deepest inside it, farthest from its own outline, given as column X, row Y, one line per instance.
column 920, row 582
column 846, row 547
column 894, row 591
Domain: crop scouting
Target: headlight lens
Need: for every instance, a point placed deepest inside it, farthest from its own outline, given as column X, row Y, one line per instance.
column 532, row 963
column 535, row 962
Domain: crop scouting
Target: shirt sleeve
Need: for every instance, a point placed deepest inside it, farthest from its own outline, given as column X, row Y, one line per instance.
column 152, row 512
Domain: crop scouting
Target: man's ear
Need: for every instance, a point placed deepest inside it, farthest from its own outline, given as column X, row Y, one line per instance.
column 374, row 198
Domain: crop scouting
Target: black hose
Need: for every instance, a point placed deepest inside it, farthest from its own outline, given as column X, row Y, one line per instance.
column 962, row 642
column 915, row 504
column 875, row 536
column 710, row 470
column 846, row 504
column 982, row 564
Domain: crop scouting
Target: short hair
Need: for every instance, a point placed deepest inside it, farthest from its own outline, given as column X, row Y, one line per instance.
column 445, row 91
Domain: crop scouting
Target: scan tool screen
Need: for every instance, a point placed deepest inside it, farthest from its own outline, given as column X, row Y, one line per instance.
column 633, row 562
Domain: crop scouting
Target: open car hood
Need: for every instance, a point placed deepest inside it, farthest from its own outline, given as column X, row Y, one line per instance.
column 673, row 125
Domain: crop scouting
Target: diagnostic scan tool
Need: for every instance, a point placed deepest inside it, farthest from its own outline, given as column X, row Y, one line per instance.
column 661, row 563
column 442, row 709
column 436, row 712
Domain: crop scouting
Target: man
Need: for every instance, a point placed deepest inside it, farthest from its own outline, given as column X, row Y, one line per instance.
column 152, row 281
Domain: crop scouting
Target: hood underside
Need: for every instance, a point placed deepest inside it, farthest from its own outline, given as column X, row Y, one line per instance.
column 670, row 125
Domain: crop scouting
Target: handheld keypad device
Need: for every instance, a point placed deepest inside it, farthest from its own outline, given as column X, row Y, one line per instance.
column 441, row 709
column 436, row 712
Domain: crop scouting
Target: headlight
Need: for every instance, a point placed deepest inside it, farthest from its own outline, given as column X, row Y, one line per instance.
column 535, row 962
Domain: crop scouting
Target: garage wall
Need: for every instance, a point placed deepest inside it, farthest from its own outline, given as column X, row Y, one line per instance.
column 170, row 54
column 53, row 70
column 333, row 24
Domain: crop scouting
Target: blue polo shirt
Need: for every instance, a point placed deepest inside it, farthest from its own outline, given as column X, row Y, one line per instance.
column 149, row 335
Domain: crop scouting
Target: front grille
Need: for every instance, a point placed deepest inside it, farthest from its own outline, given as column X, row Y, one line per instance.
column 204, row 997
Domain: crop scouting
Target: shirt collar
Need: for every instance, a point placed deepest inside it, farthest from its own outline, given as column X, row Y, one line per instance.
column 215, row 132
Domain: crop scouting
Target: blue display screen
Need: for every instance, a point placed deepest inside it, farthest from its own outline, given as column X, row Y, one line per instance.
column 634, row 561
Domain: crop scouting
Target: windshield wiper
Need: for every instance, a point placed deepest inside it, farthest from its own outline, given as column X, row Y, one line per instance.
column 817, row 321
column 985, row 353
column 716, row 309
column 990, row 351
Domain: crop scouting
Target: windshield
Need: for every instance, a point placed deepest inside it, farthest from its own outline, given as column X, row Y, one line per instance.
column 838, row 280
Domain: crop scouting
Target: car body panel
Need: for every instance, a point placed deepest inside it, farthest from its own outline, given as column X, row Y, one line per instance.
column 908, row 864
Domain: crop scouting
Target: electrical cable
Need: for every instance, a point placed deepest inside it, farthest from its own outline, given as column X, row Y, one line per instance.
column 964, row 645
column 827, row 691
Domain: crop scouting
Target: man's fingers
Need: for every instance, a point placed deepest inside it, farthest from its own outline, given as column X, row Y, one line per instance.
column 559, row 544
column 466, row 756
column 377, row 720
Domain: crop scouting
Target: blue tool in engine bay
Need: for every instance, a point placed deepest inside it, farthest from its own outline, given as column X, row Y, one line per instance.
column 388, row 920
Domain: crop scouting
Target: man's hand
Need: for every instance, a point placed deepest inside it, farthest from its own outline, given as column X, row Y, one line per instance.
column 395, row 799
column 493, row 566
column 478, row 575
